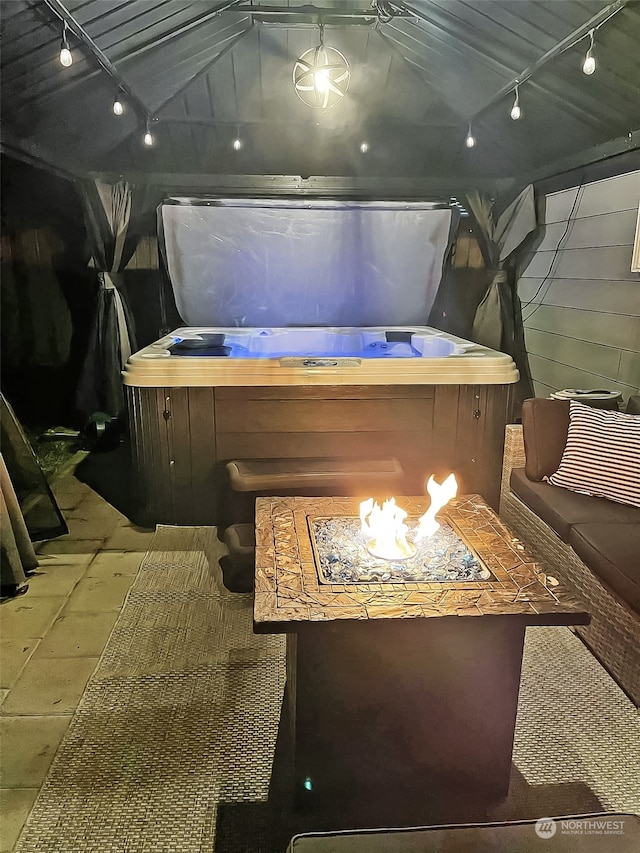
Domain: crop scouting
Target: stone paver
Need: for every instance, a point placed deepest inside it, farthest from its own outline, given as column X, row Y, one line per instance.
column 57, row 577
column 67, row 545
column 52, row 638
column 28, row 747
column 49, row 686
column 129, row 538
column 99, row 594
column 15, row 805
column 77, row 635
column 113, row 563
column 14, row 653
column 29, row 616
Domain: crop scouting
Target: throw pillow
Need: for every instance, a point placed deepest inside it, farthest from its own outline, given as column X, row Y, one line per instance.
column 602, row 455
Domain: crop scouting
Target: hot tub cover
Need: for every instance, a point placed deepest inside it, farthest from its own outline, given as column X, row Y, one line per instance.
column 287, row 262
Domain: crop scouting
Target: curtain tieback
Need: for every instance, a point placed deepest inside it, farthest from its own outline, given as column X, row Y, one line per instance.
column 106, row 282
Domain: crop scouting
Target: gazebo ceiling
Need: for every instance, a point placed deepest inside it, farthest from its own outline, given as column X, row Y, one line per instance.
column 210, row 72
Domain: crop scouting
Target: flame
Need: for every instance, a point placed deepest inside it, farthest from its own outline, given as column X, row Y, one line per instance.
column 385, row 530
column 440, row 494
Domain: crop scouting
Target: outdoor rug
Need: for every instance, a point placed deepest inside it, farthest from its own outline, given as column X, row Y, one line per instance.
column 172, row 746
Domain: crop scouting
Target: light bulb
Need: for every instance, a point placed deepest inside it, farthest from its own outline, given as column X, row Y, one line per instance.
column 321, row 80
column 470, row 140
column 364, row 147
column 118, row 107
column 237, row 144
column 148, row 138
column 516, row 112
column 589, row 65
column 65, row 54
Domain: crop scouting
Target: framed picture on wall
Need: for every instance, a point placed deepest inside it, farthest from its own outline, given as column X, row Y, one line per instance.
column 635, row 258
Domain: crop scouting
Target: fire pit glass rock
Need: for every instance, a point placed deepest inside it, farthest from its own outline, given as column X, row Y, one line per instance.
column 342, row 556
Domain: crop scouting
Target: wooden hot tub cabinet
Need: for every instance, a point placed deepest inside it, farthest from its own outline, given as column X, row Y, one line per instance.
column 182, row 436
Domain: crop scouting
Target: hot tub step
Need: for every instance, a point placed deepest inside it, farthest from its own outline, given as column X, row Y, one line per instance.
column 341, row 475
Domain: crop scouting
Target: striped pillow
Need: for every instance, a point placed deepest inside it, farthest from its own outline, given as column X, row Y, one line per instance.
column 602, row 455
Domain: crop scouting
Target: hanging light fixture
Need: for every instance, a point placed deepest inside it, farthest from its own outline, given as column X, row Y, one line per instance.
column 516, row 112
column 237, row 143
column 118, row 106
column 589, row 64
column 470, row 141
column 321, row 75
column 66, row 58
column 148, row 138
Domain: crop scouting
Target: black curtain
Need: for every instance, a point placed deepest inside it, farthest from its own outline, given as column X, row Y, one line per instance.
column 107, row 214
column 498, row 319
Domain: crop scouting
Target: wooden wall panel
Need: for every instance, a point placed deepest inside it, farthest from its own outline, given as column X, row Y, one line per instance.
column 607, row 196
column 323, row 392
column 145, row 256
column 592, row 357
column 629, row 368
column 203, row 455
column 322, row 415
column 621, row 331
column 607, row 263
column 181, row 438
column 180, row 452
column 589, row 295
column 554, row 375
column 610, row 229
column 581, row 302
column 150, row 456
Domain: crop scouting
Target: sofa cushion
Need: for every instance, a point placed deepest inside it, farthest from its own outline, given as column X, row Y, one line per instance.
column 561, row 508
column 602, row 455
column 545, row 424
column 612, row 551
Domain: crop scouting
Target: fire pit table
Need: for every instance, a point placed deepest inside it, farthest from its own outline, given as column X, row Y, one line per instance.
column 397, row 687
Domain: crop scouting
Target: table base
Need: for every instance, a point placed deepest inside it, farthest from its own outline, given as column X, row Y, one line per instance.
column 426, row 708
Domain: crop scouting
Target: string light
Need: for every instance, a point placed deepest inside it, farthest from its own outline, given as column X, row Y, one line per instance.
column 148, row 138
column 470, row 141
column 364, row 147
column 66, row 58
column 237, row 143
column 589, row 64
column 516, row 112
column 118, row 106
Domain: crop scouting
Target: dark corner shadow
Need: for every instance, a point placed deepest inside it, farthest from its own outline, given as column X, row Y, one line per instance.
column 527, row 802
column 108, row 472
column 268, row 826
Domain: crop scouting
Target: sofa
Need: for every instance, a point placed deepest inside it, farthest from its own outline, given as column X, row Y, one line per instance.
column 588, row 541
column 582, row 834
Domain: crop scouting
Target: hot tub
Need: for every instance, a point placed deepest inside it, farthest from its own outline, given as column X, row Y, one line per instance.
column 337, row 355
column 201, row 396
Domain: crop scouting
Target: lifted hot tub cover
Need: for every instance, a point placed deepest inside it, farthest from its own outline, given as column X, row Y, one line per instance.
column 288, row 262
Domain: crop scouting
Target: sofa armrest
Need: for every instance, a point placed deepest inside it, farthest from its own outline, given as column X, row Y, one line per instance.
column 633, row 405
column 514, row 456
column 545, row 425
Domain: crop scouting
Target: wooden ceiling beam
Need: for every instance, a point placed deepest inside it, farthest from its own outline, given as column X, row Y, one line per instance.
column 357, row 13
